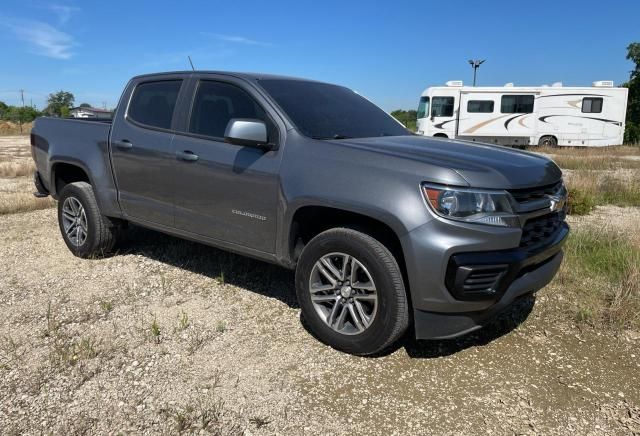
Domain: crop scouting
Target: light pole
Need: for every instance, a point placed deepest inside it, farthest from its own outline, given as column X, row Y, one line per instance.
column 475, row 64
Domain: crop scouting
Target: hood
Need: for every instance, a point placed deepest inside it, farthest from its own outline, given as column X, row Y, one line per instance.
column 481, row 165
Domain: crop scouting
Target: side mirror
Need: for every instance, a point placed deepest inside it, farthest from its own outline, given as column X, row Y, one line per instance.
column 246, row 131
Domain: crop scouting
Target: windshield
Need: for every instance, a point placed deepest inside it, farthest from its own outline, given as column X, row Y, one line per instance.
column 423, row 107
column 324, row 111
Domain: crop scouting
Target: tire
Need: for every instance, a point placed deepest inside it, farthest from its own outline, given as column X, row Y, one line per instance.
column 383, row 313
column 95, row 235
column 548, row 141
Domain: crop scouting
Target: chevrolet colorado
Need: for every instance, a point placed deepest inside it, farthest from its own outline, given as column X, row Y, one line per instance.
column 386, row 230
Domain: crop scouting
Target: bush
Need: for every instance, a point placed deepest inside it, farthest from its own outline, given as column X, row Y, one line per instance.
column 580, row 202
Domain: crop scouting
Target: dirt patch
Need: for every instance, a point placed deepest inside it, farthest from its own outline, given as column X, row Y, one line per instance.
column 80, row 353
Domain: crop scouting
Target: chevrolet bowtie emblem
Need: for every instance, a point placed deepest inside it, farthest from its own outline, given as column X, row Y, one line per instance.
column 557, row 202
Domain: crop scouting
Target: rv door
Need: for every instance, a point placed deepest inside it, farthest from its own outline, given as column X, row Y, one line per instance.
column 444, row 113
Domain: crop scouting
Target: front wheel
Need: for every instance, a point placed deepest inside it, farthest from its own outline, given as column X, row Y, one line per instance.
column 84, row 229
column 351, row 292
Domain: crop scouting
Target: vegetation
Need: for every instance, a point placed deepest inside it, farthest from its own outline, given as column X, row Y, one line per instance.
column 602, row 268
column 589, row 188
column 408, row 118
column 595, row 163
column 632, row 131
column 580, row 202
column 59, row 103
column 18, row 114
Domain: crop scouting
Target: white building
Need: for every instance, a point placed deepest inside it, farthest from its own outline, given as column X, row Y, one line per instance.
column 91, row 112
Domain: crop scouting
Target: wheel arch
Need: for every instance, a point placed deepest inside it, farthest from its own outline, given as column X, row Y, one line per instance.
column 64, row 172
column 309, row 220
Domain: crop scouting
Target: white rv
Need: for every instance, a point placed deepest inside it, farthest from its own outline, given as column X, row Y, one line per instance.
column 518, row 116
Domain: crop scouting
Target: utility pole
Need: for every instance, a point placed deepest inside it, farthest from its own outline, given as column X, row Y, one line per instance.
column 22, row 111
column 475, row 64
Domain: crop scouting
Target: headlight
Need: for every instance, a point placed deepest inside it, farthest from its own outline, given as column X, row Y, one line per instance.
column 472, row 205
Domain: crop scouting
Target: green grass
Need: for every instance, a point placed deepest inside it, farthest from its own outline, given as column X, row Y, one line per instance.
column 580, row 202
column 602, row 271
column 619, row 192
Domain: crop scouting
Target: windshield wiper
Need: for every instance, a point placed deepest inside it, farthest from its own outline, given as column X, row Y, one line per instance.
column 336, row 136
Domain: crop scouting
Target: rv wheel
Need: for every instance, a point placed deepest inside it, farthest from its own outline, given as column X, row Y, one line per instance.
column 548, row 141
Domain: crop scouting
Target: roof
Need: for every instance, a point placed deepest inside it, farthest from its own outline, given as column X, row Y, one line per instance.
column 242, row 75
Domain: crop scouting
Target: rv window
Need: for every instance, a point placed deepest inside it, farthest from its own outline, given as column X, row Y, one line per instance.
column 516, row 104
column 592, row 105
column 483, row 106
column 423, row 107
column 442, row 107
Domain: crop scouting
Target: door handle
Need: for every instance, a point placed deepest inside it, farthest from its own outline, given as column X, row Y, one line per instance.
column 125, row 144
column 187, row 155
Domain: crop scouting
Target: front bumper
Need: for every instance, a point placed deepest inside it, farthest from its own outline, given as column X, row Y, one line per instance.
column 440, row 257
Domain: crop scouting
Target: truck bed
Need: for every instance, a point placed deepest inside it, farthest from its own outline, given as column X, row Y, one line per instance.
column 79, row 141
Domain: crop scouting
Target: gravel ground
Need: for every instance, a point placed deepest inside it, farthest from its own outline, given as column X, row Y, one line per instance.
column 169, row 336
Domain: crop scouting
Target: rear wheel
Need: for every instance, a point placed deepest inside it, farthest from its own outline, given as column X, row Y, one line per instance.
column 84, row 229
column 548, row 141
column 351, row 292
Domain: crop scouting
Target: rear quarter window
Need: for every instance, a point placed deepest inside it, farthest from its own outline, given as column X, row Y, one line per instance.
column 153, row 103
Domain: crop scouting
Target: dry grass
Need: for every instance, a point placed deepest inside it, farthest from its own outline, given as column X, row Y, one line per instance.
column 595, row 163
column 16, row 184
column 17, row 168
column 10, row 128
column 23, row 202
column 618, row 150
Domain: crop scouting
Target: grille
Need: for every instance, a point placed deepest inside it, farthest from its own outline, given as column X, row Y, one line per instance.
column 483, row 280
column 530, row 194
column 539, row 230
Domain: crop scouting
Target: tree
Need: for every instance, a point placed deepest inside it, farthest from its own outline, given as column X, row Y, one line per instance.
column 85, row 105
column 632, row 131
column 59, row 103
column 19, row 114
column 408, row 118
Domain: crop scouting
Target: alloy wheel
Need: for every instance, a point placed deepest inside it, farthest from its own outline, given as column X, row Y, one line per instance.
column 74, row 221
column 343, row 293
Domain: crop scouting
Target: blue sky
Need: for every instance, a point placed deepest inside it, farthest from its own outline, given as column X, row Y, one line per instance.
column 388, row 51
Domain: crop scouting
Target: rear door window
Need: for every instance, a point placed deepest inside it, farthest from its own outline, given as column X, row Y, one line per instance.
column 442, row 107
column 153, row 103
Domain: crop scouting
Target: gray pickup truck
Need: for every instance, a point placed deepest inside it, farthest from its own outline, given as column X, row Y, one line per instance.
column 386, row 230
